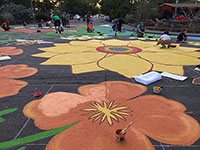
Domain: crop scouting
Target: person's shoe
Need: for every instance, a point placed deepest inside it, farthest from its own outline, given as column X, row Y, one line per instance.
column 163, row 46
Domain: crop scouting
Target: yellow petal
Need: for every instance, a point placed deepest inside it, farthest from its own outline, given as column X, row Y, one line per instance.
column 87, row 44
column 126, row 65
column 170, row 59
column 142, row 44
column 45, row 54
column 76, row 69
column 193, row 54
column 67, row 48
column 115, row 42
column 74, row 58
column 171, row 69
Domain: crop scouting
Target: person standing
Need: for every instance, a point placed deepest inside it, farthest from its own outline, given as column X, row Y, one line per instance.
column 57, row 23
column 88, row 17
column 64, row 21
column 67, row 16
column 119, row 24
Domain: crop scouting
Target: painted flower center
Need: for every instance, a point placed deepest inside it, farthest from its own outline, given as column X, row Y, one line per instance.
column 119, row 49
column 107, row 112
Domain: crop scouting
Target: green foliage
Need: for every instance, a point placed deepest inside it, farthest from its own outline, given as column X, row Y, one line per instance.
column 115, row 9
column 147, row 9
column 80, row 7
column 15, row 13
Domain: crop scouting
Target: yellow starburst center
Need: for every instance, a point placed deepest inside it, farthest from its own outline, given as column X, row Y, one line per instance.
column 107, row 112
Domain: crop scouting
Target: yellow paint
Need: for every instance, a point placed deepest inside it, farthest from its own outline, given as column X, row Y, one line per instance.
column 90, row 43
column 45, row 54
column 83, row 57
column 75, row 58
column 115, row 42
column 126, row 65
column 170, row 58
column 91, row 67
column 107, row 111
column 172, row 69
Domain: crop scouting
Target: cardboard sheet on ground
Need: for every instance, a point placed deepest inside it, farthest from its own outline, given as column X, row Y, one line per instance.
column 22, row 40
column 174, row 76
column 5, row 57
column 148, row 78
column 44, row 42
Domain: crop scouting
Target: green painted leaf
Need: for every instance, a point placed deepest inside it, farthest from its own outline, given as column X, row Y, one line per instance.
column 34, row 137
column 2, row 120
column 22, row 148
column 5, row 112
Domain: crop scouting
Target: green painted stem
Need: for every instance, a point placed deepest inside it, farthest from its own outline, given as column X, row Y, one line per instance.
column 22, row 148
column 34, row 137
column 7, row 111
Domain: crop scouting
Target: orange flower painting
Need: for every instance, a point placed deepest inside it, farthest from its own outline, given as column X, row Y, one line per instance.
column 103, row 108
column 8, row 85
column 10, row 51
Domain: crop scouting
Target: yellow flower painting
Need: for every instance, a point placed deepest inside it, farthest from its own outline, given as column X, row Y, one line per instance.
column 126, row 57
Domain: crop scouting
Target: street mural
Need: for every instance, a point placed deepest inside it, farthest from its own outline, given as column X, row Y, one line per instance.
column 98, row 110
column 119, row 56
column 103, row 108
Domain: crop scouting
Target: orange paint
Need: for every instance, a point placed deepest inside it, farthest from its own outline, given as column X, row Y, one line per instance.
column 9, row 86
column 10, row 51
column 155, row 116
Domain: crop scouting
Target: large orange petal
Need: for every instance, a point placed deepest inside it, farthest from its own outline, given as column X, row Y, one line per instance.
column 90, row 136
column 153, row 105
column 56, row 110
column 176, row 128
column 10, row 51
column 16, row 71
column 112, row 90
column 9, row 87
column 164, row 120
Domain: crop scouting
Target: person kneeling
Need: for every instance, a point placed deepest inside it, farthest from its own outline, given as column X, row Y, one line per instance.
column 165, row 40
column 182, row 36
column 6, row 25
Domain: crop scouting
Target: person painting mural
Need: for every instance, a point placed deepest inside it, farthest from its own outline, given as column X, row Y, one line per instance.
column 165, row 40
column 5, row 25
column 140, row 30
column 182, row 36
column 57, row 22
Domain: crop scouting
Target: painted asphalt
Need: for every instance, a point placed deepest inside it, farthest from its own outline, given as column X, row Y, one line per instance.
column 58, row 77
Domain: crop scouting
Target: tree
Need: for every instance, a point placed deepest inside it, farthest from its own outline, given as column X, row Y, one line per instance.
column 115, row 9
column 14, row 13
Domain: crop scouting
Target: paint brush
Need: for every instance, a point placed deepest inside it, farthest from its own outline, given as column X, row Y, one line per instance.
column 125, row 129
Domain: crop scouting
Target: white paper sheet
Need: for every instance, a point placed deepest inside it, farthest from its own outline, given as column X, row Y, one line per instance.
column 174, row 76
column 5, row 57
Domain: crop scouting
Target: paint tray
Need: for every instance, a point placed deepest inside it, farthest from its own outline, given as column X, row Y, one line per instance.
column 148, row 78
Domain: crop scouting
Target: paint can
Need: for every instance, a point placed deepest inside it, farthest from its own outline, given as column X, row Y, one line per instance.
column 119, row 135
column 157, row 89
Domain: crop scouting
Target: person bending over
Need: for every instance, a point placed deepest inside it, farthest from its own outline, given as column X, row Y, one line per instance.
column 165, row 40
column 57, row 23
column 182, row 36
column 6, row 26
column 140, row 30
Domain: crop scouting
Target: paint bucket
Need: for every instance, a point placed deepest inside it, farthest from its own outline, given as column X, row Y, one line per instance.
column 119, row 135
column 172, row 45
column 157, row 89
